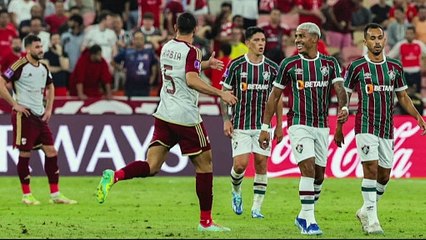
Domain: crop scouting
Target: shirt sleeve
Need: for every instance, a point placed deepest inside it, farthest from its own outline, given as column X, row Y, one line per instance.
column 336, row 74
column 193, row 61
column 228, row 78
column 350, row 78
column 400, row 83
column 282, row 78
column 12, row 74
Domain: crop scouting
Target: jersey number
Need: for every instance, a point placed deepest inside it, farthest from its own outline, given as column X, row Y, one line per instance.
column 170, row 86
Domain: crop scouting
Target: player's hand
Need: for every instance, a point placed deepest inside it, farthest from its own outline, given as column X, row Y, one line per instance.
column 278, row 134
column 264, row 139
column 342, row 116
column 228, row 129
column 228, row 97
column 215, row 63
column 422, row 125
column 46, row 116
column 339, row 138
column 21, row 109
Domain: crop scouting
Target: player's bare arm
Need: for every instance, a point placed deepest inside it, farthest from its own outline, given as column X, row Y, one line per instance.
column 278, row 133
column 195, row 82
column 271, row 105
column 212, row 63
column 50, row 97
column 228, row 129
column 342, row 100
column 407, row 104
column 338, row 136
column 4, row 93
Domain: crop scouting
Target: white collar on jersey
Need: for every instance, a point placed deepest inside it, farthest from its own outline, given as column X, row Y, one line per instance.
column 256, row 64
column 376, row 63
column 307, row 59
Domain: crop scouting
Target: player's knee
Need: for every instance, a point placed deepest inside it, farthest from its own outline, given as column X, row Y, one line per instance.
column 319, row 180
column 239, row 168
column 383, row 179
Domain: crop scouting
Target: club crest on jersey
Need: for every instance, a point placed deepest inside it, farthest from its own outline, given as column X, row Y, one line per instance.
column 365, row 149
column 299, row 148
column 266, row 76
column 324, row 70
column 392, row 74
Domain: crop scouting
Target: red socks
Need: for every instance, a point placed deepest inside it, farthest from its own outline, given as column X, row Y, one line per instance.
column 132, row 170
column 204, row 188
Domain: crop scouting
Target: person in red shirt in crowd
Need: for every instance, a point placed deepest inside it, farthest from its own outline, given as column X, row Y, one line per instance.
column 410, row 52
column 56, row 20
column 310, row 11
column 91, row 70
column 13, row 55
column 410, row 9
column 216, row 74
column 153, row 6
column 197, row 7
column 6, row 34
column 340, row 31
column 285, row 6
column 274, row 32
column 171, row 11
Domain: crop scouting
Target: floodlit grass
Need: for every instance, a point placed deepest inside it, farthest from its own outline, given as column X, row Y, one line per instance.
column 167, row 207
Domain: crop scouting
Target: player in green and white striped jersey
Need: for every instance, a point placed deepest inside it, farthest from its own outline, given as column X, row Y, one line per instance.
column 309, row 75
column 376, row 79
column 250, row 77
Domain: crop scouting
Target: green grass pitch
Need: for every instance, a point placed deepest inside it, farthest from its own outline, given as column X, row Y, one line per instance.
column 167, row 207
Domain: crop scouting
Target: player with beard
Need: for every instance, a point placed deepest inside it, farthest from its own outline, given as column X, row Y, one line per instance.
column 30, row 78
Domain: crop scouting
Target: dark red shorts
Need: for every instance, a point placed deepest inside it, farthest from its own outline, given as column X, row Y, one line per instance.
column 30, row 132
column 192, row 140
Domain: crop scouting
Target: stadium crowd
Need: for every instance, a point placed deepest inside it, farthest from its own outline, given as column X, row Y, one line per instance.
column 116, row 44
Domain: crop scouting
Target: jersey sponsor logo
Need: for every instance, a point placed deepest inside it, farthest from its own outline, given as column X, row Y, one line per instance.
column 324, row 70
column 365, row 149
column 266, row 75
column 312, row 84
column 244, row 86
column 9, row 73
column 370, row 88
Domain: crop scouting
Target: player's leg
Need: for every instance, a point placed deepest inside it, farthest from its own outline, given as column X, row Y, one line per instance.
column 260, row 184
column 241, row 149
column 367, row 147
column 386, row 156
column 302, row 144
column 23, row 139
column 321, row 154
column 163, row 139
column 204, row 187
column 195, row 143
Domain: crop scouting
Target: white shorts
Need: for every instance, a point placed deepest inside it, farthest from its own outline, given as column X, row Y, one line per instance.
column 247, row 141
column 370, row 148
column 307, row 142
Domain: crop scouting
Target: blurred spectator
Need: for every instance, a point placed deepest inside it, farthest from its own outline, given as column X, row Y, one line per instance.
column 37, row 29
column 141, row 67
column 216, row 75
column 410, row 52
column 56, row 20
column 89, row 74
column 6, row 34
column 171, row 10
column 248, row 9
column 197, row 7
column 47, row 6
column 420, row 24
column 238, row 22
column 112, row 6
column 340, row 35
column 410, row 9
column 360, row 17
column 416, row 98
column 396, row 29
column 133, row 10
column 24, row 26
column 310, row 11
column 123, row 37
column 72, row 40
column 221, row 29
column 58, row 64
column 84, row 6
column 238, row 48
column 380, row 13
column 152, row 6
column 102, row 35
column 274, row 33
column 12, row 56
column 153, row 35
column 20, row 10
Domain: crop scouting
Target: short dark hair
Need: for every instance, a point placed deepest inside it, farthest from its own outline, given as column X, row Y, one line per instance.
column 136, row 32
column 95, row 49
column 148, row 15
column 37, row 18
column 236, row 16
column 253, row 30
column 28, row 40
column 77, row 18
column 226, row 4
column 371, row 26
column 4, row 10
column 103, row 15
column 186, row 23
column 226, row 49
column 411, row 27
